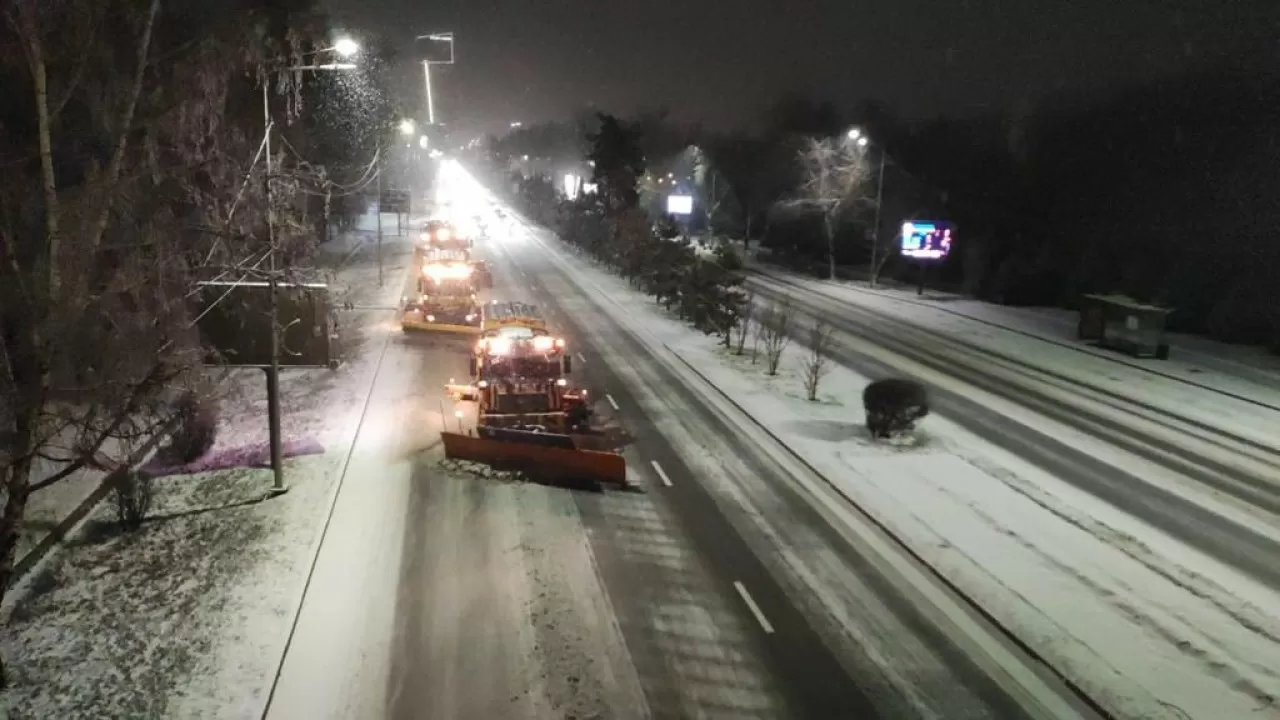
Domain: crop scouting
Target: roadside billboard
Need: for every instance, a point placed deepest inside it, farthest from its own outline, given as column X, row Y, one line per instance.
column 926, row 240
column 679, row 204
column 234, row 323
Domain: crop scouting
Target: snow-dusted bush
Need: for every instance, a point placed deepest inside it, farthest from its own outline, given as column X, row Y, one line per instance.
column 196, row 427
column 133, row 493
column 893, row 406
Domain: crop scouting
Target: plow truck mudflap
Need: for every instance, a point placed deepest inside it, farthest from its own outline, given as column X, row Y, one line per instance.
column 540, row 455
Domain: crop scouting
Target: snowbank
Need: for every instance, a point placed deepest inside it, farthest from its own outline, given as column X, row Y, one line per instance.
column 188, row 616
column 1149, row 627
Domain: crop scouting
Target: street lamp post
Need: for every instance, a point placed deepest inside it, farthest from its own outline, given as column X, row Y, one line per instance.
column 346, row 48
column 857, row 136
column 426, row 69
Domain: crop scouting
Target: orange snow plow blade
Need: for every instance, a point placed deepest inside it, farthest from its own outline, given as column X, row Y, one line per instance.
column 537, row 460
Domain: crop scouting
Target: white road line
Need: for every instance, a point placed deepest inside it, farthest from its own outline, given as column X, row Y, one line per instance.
column 612, row 402
column 661, row 473
column 755, row 609
column 582, row 358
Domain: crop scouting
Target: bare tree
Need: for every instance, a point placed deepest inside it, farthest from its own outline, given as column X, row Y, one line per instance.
column 816, row 362
column 109, row 214
column 775, row 333
column 712, row 189
column 745, row 316
column 836, row 173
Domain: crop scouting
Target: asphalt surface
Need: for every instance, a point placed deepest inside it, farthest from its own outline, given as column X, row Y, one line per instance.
column 1218, row 536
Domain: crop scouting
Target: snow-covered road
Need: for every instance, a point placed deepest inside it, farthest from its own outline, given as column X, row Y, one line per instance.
column 1149, row 622
column 437, row 593
column 429, row 580
column 885, row 646
column 1217, row 493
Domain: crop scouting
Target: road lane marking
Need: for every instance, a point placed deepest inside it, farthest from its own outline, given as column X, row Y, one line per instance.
column 613, row 402
column 662, row 474
column 755, row 609
column 582, row 358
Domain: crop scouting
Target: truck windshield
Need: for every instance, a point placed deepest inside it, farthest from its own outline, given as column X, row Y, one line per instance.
column 448, row 286
column 522, row 404
column 536, row 366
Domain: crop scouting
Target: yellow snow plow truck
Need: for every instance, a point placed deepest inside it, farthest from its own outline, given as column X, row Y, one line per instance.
column 530, row 417
column 441, row 237
column 446, row 300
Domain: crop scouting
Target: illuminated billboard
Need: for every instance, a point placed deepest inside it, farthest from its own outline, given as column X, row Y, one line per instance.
column 679, row 204
column 926, row 240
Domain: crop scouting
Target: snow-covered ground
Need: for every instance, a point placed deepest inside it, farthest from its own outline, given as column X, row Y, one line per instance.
column 188, row 616
column 47, row 507
column 1149, row 627
column 1235, row 389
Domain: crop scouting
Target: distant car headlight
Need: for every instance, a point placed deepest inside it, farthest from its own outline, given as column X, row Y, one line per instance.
column 431, row 318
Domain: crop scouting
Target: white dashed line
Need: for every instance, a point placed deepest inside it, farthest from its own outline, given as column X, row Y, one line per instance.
column 755, row 609
column 612, row 402
column 662, row 474
column 582, row 358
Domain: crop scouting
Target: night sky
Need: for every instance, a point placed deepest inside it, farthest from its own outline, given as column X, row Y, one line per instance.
column 720, row 62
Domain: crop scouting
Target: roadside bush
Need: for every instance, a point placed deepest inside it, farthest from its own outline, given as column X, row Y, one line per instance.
column 133, row 493
column 893, row 405
column 196, row 427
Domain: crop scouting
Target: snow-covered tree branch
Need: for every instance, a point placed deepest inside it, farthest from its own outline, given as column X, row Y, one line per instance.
column 835, row 180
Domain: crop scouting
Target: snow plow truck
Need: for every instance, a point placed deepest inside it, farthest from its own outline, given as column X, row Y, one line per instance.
column 440, row 236
column 446, row 300
column 530, row 416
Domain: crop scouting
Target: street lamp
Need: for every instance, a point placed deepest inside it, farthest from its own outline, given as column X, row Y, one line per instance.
column 406, row 127
column 856, row 135
column 345, row 46
column 426, row 69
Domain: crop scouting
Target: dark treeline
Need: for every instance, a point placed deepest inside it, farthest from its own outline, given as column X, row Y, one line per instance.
column 1165, row 192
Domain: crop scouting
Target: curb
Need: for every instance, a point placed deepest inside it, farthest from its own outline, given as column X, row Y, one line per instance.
column 67, row 524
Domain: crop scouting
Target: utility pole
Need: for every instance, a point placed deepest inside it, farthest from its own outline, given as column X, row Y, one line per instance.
column 875, row 229
column 431, row 106
column 344, row 47
column 273, row 370
column 379, row 221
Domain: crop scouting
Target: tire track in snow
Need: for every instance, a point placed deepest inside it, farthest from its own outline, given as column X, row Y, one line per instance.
column 1125, row 598
column 1194, row 583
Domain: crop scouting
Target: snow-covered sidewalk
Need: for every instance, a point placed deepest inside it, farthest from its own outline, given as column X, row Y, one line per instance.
column 1239, row 396
column 188, row 616
column 1147, row 626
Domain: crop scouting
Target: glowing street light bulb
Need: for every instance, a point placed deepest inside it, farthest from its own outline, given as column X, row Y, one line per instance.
column 854, row 133
column 346, row 47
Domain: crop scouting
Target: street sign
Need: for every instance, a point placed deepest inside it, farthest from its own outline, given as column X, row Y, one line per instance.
column 234, row 324
column 394, row 201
